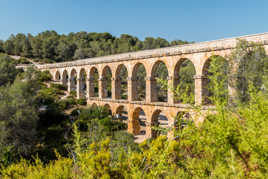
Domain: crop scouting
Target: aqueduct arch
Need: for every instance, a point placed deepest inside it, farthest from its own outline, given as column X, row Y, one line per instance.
column 159, row 71
column 65, row 78
column 103, row 81
column 106, row 82
column 57, row 76
column 93, row 82
column 138, row 79
column 121, row 82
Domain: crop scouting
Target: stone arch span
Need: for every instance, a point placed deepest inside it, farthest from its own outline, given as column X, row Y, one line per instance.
column 121, row 113
column 73, row 78
column 138, row 124
column 65, row 77
column 108, row 108
column 121, row 82
column 159, row 71
column 106, row 82
column 82, row 83
column 57, row 76
column 138, row 79
column 159, row 123
column 94, row 82
column 216, row 66
column 184, row 81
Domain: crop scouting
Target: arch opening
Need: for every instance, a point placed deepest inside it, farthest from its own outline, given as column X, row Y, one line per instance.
column 121, row 83
column 83, row 86
column 159, row 92
column 184, row 82
column 108, row 108
column 122, row 114
column 65, row 78
column 106, row 83
column 94, row 82
column 138, row 82
column 215, row 80
column 159, row 124
column 73, row 80
column 57, row 76
column 182, row 120
column 139, row 125
column 94, row 106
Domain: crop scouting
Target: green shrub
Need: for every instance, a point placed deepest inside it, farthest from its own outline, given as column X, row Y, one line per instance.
column 23, row 61
column 59, row 86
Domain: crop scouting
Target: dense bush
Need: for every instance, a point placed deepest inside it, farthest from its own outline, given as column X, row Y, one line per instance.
column 23, row 61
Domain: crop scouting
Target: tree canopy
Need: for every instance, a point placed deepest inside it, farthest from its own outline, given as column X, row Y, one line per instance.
column 49, row 46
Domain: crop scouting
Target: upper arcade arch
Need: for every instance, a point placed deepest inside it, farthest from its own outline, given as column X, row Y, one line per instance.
column 121, row 82
column 183, row 81
column 159, row 71
column 82, row 83
column 215, row 70
column 106, row 82
column 65, row 77
column 73, row 78
column 139, row 75
column 57, row 76
column 93, row 82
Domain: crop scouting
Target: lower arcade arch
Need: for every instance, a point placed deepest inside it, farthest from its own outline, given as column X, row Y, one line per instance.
column 139, row 124
column 159, row 124
column 108, row 108
column 182, row 119
column 94, row 105
column 122, row 114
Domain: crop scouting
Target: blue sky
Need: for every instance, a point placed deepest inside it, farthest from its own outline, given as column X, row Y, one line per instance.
column 192, row 20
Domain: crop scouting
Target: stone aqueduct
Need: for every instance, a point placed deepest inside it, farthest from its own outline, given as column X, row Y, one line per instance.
column 198, row 53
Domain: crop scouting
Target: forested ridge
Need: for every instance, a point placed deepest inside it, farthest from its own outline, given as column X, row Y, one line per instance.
column 49, row 46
